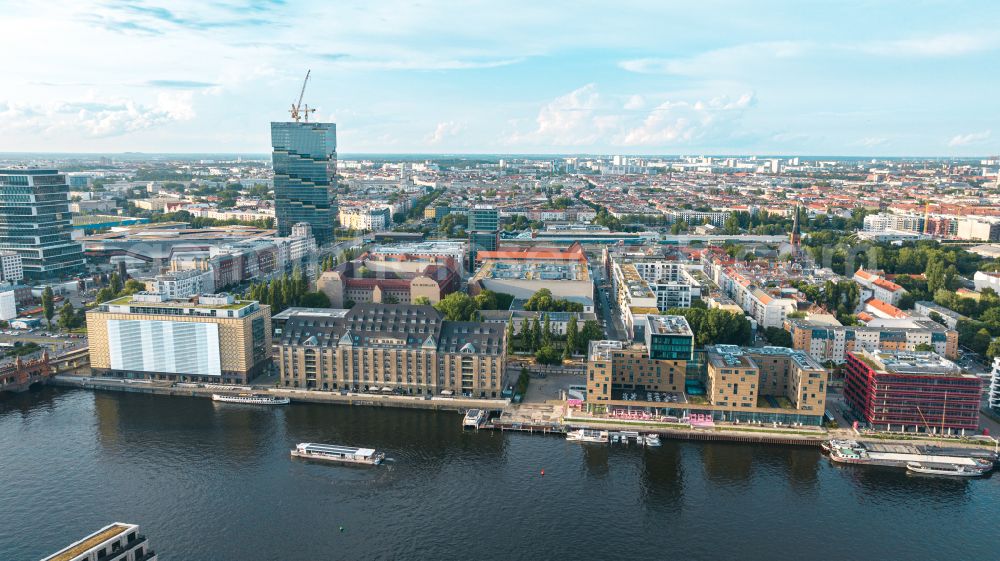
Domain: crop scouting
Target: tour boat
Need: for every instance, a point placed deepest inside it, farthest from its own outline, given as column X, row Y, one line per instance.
column 250, row 398
column 944, row 469
column 474, row 418
column 652, row 439
column 588, row 436
column 337, row 453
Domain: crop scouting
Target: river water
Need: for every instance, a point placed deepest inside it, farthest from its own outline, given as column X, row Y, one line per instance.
column 209, row 481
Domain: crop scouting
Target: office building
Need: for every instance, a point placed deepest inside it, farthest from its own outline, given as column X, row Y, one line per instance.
column 11, row 270
column 994, row 389
column 644, row 284
column 35, row 223
column 826, row 339
column 912, row 392
column 390, row 279
column 396, row 348
column 523, row 272
column 617, row 371
column 114, row 542
column 210, row 338
column 183, row 284
column 8, row 304
column 769, row 380
column 422, row 251
column 305, row 177
column 484, row 232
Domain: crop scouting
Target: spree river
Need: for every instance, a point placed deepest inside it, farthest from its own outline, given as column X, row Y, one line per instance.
column 209, row 481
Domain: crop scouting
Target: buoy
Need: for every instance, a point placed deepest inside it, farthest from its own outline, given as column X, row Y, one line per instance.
column 341, row 528
column 543, row 472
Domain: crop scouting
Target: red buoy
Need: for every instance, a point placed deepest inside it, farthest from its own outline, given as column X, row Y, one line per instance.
column 543, row 472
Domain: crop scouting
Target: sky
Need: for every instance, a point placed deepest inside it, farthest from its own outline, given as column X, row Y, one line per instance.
column 801, row 77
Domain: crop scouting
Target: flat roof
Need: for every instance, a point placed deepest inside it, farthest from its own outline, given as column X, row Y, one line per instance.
column 914, row 363
column 80, row 547
column 668, row 325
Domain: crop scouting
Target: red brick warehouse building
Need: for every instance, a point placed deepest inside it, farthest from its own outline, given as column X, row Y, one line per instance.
column 912, row 392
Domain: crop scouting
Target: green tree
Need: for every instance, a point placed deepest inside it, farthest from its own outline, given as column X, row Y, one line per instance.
column 536, row 334
column 592, row 331
column 778, row 337
column 510, row 334
column 993, row 350
column 132, row 286
column 103, row 295
column 923, row 347
column 548, row 355
column 48, row 306
column 422, row 301
column 546, row 332
column 457, row 306
column 571, row 337
column 316, row 299
column 981, row 341
column 67, row 316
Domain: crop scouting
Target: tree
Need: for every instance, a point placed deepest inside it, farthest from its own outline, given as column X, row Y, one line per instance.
column 48, row 308
column 923, row 347
column 778, row 337
column 390, row 299
column 548, row 355
column 571, row 337
column 592, row 331
column 132, row 286
column 115, row 282
column 67, row 316
column 510, row 334
column 547, row 332
column 536, row 334
column 981, row 341
column 993, row 350
column 457, row 306
column 422, row 301
column 316, row 299
column 103, row 295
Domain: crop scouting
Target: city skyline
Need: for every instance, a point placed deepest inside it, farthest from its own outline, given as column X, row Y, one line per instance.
column 712, row 78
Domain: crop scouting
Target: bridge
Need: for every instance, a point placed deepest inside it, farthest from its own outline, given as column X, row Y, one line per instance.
column 20, row 374
column 69, row 361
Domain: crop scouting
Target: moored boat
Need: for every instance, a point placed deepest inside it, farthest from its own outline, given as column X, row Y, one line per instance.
column 951, row 470
column 474, row 418
column 337, row 453
column 588, row 436
column 652, row 440
column 250, row 398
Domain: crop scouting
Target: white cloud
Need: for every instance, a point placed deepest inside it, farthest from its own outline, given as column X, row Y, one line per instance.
column 95, row 118
column 634, row 102
column 946, row 45
column 680, row 122
column 711, row 62
column 445, row 130
column 574, row 119
column 970, row 138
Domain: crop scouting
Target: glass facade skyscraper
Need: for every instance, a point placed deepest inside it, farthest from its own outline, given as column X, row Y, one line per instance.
column 36, row 223
column 305, row 177
column 484, row 232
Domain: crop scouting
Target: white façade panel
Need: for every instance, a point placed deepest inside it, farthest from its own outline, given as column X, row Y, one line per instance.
column 173, row 347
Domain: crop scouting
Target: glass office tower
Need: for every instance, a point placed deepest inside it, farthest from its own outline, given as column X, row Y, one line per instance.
column 36, row 223
column 484, row 232
column 305, row 177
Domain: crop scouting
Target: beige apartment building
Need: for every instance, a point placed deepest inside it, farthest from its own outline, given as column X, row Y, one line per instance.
column 765, row 378
column 393, row 348
column 208, row 338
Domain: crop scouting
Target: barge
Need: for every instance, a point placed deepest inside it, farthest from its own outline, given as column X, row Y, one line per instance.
column 902, row 455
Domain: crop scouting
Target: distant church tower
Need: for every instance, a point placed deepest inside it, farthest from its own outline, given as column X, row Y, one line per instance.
column 796, row 236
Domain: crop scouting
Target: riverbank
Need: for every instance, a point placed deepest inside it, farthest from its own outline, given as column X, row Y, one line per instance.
column 304, row 396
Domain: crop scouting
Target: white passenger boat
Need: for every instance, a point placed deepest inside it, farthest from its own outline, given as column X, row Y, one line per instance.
column 474, row 418
column 652, row 440
column 339, row 454
column 250, row 398
column 588, row 436
column 944, row 469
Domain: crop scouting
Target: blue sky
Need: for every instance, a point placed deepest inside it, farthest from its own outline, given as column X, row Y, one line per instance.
column 706, row 77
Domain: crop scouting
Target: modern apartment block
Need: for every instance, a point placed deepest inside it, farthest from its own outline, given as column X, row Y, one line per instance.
column 183, row 284
column 35, row 223
column 615, row 369
column 994, row 389
column 484, row 231
column 826, row 339
column 305, row 177
column 366, row 218
column 209, row 338
column 114, row 542
column 643, row 285
column 755, row 379
column 397, row 348
column 912, row 392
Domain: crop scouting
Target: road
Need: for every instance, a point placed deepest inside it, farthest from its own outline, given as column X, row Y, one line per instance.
column 56, row 345
column 613, row 326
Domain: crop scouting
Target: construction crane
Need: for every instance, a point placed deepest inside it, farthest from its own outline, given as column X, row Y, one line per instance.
column 298, row 110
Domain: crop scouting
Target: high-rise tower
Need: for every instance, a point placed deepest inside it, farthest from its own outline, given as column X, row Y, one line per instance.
column 36, row 223
column 305, row 177
column 484, row 231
